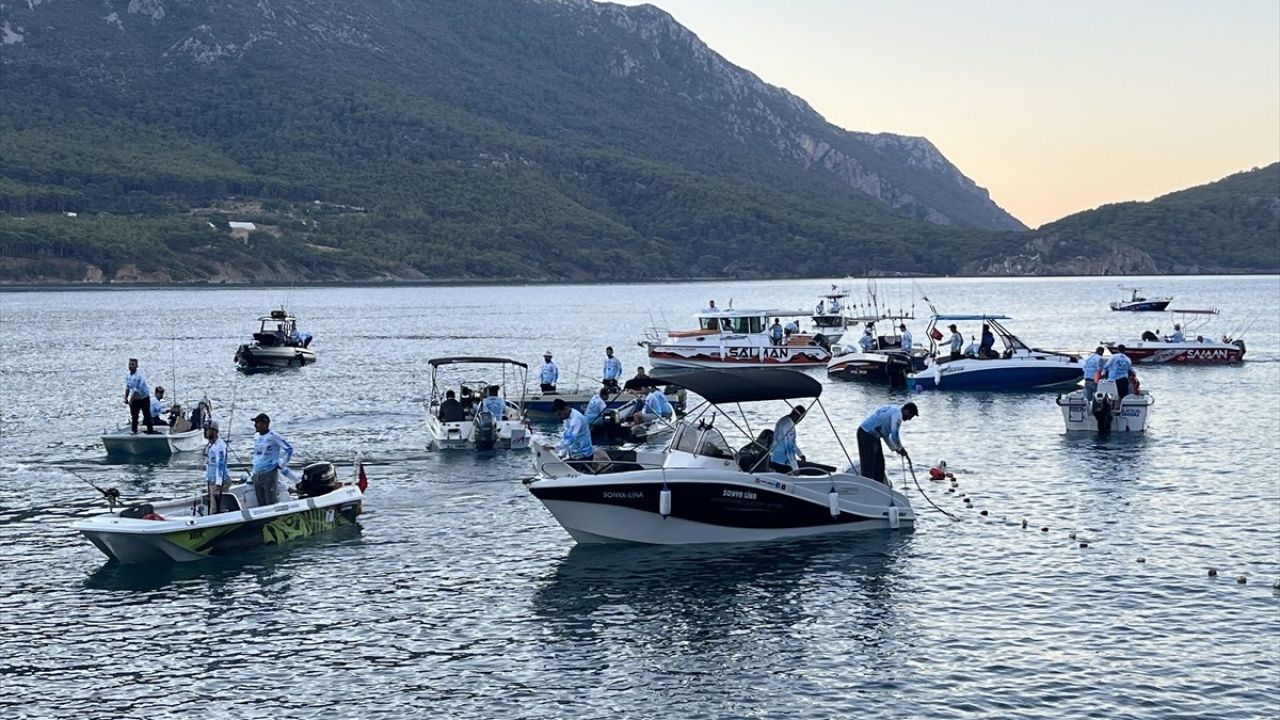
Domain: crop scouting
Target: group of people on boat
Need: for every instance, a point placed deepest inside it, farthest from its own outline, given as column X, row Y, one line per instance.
column 982, row 350
column 271, row 455
column 1118, row 369
column 883, row 424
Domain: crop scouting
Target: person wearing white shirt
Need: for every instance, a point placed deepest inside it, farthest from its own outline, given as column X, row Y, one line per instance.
column 957, row 342
column 867, row 342
column 493, row 404
column 549, row 375
column 596, row 407
column 215, row 468
column 883, row 424
column 268, row 448
column 157, row 407
column 612, row 370
column 1177, row 336
column 656, row 406
column 906, row 337
column 137, row 395
column 575, row 443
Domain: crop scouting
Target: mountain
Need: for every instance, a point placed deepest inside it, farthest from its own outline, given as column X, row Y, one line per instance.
column 1231, row 225
column 444, row 139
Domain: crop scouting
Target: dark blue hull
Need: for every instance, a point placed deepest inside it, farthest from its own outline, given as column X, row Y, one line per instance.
column 1004, row 379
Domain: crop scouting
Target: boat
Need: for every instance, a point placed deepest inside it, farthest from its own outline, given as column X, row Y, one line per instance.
column 1106, row 412
column 538, row 406
column 477, row 429
column 736, row 338
column 620, row 426
column 181, row 530
column 702, row 489
column 182, row 434
column 829, row 315
column 886, row 363
column 1135, row 303
column 276, row 344
column 835, row 311
column 1194, row 349
column 1018, row 367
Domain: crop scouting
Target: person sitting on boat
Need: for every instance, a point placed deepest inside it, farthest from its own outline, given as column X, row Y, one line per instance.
column 868, row 340
column 883, row 424
column 596, row 407
column 451, row 410
column 493, row 404
column 656, row 406
column 137, row 395
column 1092, row 371
column 987, row 349
column 957, row 342
column 775, row 332
column 158, row 410
column 791, row 328
column 906, row 338
column 468, row 402
column 711, row 307
column 550, row 373
column 575, row 443
column 1177, row 336
column 268, row 448
column 1118, row 371
column 215, row 469
column 784, row 454
column 612, row 370
column 640, row 373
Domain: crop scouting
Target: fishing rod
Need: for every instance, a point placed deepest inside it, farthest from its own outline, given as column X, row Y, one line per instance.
column 911, row 466
column 111, row 494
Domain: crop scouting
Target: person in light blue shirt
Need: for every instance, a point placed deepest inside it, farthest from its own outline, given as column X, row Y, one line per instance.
column 271, row 453
column 1118, row 371
column 1092, row 368
column 575, row 443
column 157, row 407
column 596, row 407
column 775, row 332
column 215, row 468
column 883, row 424
column 549, row 375
column 868, row 341
column 656, row 406
column 137, row 395
column 906, row 338
column 612, row 370
column 784, row 453
column 791, row 328
column 493, row 404
column 956, row 342
column 1177, row 336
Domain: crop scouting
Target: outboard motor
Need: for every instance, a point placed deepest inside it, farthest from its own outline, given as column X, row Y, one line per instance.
column 318, row 479
column 897, row 366
column 486, row 431
column 1149, row 336
column 821, row 341
column 1102, row 412
column 1239, row 344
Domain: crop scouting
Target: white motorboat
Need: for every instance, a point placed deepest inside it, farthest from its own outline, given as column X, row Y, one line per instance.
column 736, row 338
column 886, row 362
column 466, row 425
column 1194, row 348
column 1018, row 367
column 538, row 405
column 1106, row 412
column 182, row 530
column 276, row 344
column 700, row 489
column 182, row 434
column 1136, row 303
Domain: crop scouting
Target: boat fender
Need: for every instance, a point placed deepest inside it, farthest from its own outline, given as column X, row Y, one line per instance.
column 833, row 503
column 937, row 473
column 664, row 502
column 894, row 521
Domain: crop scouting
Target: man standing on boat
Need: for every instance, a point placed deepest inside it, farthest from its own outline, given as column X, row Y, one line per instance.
column 906, row 338
column 957, row 342
column 137, row 395
column 215, row 467
column 1118, row 371
column 575, row 443
column 267, row 461
column 1092, row 369
column 883, row 424
column 868, row 340
column 612, row 370
column 550, row 373
column 493, row 404
column 775, row 332
column 784, row 454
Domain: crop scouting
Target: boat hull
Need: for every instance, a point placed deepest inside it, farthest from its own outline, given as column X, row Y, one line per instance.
column 187, row 538
column 708, row 506
column 123, row 443
column 1142, row 305
column 757, row 356
column 1184, row 353
column 512, row 434
column 1001, row 375
column 256, row 358
column 887, row 368
column 1128, row 416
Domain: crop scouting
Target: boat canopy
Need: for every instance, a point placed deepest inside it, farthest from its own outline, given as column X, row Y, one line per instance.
column 640, row 383
column 753, row 313
column 971, row 317
column 474, row 360
column 743, row 385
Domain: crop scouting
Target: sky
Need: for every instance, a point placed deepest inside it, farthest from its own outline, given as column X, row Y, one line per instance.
column 1053, row 106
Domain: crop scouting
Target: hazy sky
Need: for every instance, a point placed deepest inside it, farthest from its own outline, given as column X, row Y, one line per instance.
column 1054, row 106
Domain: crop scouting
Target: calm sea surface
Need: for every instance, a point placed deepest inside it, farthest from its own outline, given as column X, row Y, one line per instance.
column 461, row 597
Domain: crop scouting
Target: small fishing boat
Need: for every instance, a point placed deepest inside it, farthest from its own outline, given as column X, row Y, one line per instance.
column 182, row 530
column 702, row 489
column 886, row 362
column 538, row 406
column 181, row 435
column 1188, row 346
column 464, row 424
column 623, row 425
column 830, row 316
column 276, row 344
column 1018, row 367
column 1106, row 412
column 736, row 338
column 1136, row 303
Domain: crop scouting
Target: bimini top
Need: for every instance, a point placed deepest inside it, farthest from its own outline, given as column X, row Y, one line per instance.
column 733, row 313
column 971, row 317
column 743, row 385
column 471, row 360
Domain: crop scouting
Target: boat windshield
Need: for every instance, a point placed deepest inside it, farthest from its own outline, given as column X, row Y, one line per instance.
column 272, row 325
column 686, row 439
column 712, row 444
column 752, row 324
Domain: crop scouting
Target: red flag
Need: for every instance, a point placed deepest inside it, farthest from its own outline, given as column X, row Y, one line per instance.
column 363, row 482
column 936, row 334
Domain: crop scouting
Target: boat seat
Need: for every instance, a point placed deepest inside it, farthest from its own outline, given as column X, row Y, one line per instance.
column 755, row 454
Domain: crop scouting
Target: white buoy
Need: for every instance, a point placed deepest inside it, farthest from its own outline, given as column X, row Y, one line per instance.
column 833, row 503
column 893, row 517
column 664, row 502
